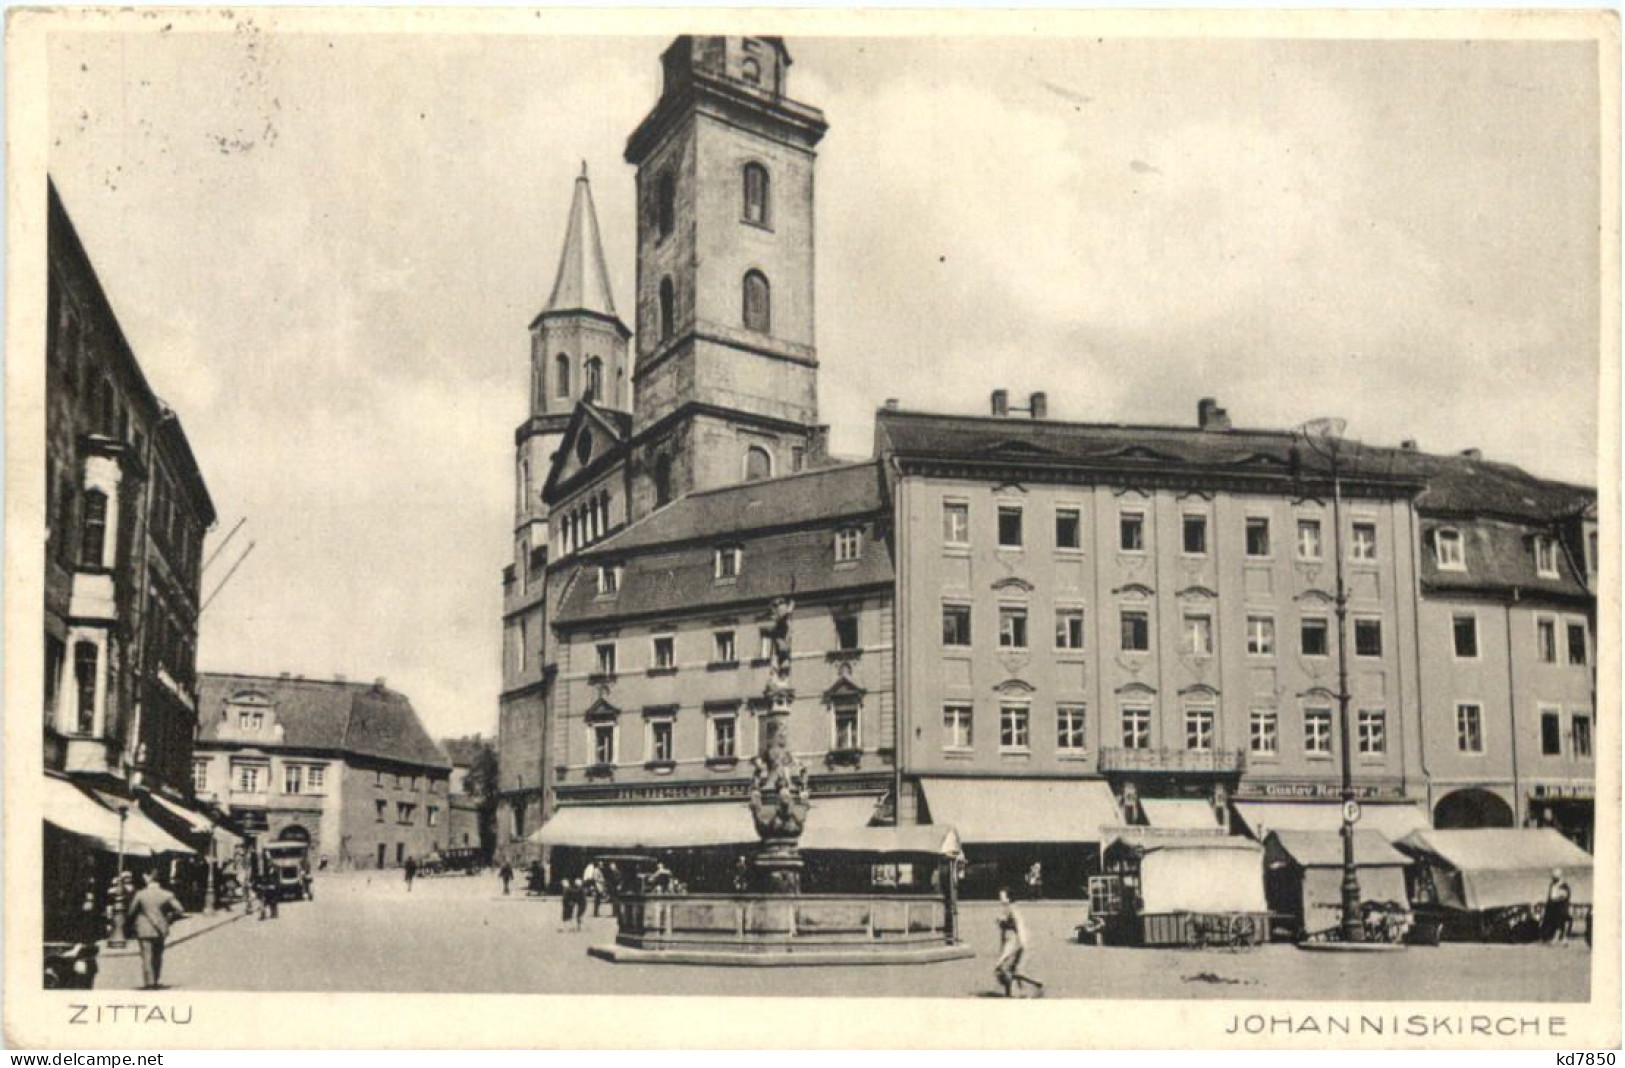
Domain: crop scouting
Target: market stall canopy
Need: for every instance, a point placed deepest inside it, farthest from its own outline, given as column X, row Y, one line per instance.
column 1013, row 810
column 1324, row 849
column 70, row 809
column 1491, row 868
column 1202, row 875
column 646, row 827
column 1393, row 820
column 1180, row 813
column 1380, row 870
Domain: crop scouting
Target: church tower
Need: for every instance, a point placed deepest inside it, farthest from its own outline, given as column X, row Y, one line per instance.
column 727, row 368
column 578, row 351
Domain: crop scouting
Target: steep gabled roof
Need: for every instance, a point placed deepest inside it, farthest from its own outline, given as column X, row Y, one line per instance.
column 615, row 426
column 341, row 717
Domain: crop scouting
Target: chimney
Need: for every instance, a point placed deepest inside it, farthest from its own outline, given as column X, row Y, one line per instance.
column 891, row 404
column 1038, row 405
column 1408, row 445
column 1473, row 454
column 284, row 676
column 1001, row 402
column 1209, row 416
column 378, row 684
column 337, row 677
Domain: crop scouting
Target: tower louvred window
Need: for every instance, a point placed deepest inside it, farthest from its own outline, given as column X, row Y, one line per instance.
column 561, row 375
column 756, row 194
column 758, row 302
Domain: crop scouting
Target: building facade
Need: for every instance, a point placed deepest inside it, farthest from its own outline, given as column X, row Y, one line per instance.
column 1062, row 628
column 344, row 767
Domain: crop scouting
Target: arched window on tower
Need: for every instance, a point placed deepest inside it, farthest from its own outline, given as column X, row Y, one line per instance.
column 668, row 309
column 666, row 205
column 756, row 194
column 595, row 380
column 758, row 303
column 561, row 375
column 758, row 464
column 662, row 481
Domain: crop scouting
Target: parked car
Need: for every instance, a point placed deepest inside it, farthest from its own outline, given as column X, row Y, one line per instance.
column 289, row 863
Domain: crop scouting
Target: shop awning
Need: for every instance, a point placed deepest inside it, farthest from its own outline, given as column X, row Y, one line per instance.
column 656, row 826
column 221, row 840
column 1202, row 875
column 932, row 840
column 1393, row 820
column 1022, row 810
column 1324, row 849
column 70, row 809
column 1492, row 868
column 1179, row 813
column 139, row 829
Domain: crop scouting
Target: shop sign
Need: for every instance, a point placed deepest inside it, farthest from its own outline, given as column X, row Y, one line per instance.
column 1564, row 791
column 1313, row 791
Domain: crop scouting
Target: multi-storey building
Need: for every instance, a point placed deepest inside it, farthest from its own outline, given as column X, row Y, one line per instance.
column 1063, row 627
column 345, row 767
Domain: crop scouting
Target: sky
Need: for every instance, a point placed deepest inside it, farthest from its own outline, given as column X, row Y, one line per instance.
column 325, row 251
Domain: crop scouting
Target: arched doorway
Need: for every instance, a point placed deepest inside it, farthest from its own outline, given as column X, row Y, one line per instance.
column 1468, row 809
column 293, row 833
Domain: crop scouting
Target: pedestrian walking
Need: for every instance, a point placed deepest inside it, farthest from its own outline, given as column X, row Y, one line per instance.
column 266, row 889
column 411, row 868
column 592, row 879
column 1555, row 922
column 578, row 892
column 151, row 913
column 536, row 882
column 567, row 898
column 1012, row 947
column 506, row 875
column 1035, row 881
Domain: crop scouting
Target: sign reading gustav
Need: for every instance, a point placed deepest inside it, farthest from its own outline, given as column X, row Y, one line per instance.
column 1313, row 791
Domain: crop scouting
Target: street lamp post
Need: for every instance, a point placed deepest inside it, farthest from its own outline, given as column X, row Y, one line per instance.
column 1324, row 436
column 115, row 937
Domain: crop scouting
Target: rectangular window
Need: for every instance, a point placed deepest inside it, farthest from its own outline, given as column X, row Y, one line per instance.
column 1577, row 644
column 1136, row 630
column 1447, row 546
column 1009, row 526
column 1012, row 627
column 1260, row 635
column 200, row 776
column 404, row 811
column 1551, row 733
column 1465, row 628
column 848, row 545
column 1371, row 728
column 1317, row 731
column 722, row 647
column 1309, row 539
column 1068, row 529
column 660, row 741
column 1069, row 628
column 1199, row 634
column 665, row 652
column 1194, row 528
column 1368, row 637
column 93, row 533
column 603, row 743
column 1199, row 729
column 764, row 643
column 609, row 581
column 1264, row 731
column 725, row 736
column 728, row 562
column 956, row 726
column 605, row 653
column 1469, row 728
column 956, row 624
column 1013, row 726
column 1131, row 532
column 315, row 779
column 798, row 458
column 1546, row 640
column 250, row 721
column 1546, row 557
column 1313, row 636
column 1136, row 727
column 846, row 633
column 1070, row 736
column 1363, row 543
column 247, row 778
column 434, row 815
column 846, row 727
column 86, row 658
column 381, row 808
column 1582, row 737
column 293, row 779
column 1258, row 536
column 955, row 523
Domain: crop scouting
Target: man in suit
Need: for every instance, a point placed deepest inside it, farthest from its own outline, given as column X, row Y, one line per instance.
column 152, row 910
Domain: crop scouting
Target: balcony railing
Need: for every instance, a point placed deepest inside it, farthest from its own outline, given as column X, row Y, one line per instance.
column 1175, row 761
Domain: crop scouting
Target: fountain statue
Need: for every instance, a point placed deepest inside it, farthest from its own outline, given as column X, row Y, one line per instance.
column 778, row 788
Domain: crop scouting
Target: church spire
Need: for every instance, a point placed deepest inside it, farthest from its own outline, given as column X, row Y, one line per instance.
column 583, row 279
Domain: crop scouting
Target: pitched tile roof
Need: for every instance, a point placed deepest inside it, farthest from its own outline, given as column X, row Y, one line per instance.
column 1498, row 555
column 347, row 717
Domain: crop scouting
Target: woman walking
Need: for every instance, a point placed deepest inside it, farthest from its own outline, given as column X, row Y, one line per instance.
column 1012, row 947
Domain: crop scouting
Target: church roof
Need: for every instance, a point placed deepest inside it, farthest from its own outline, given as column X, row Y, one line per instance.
column 582, row 283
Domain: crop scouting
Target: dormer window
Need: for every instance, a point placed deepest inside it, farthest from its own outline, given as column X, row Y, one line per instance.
column 1447, row 546
column 750, row 70
column 250, row 721
column 1545, row 557
column 728, row 562
column 848, row 545
column 609, row 580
